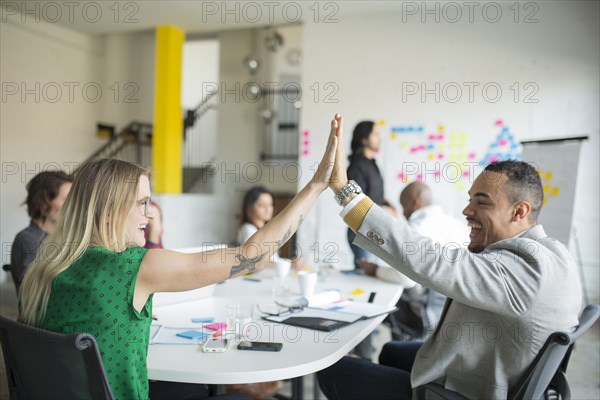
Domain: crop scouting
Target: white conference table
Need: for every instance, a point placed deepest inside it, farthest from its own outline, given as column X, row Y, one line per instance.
column 304, row 351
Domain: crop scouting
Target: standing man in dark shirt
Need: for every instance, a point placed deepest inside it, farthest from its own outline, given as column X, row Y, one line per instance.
column 364, row 171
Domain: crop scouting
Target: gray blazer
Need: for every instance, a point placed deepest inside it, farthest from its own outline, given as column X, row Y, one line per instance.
column 502, row 305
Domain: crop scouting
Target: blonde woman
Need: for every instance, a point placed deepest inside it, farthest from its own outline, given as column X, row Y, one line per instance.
column 95, row 276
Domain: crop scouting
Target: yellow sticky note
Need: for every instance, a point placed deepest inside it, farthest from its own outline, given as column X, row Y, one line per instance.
column 394, row 136
column 381, row 122
column 548, row 176
column 430, row 156
column 356, row 292
column 404, row 144
column 555, row 191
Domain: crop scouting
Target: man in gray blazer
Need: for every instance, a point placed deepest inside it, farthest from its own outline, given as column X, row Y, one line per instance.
column 506, row 293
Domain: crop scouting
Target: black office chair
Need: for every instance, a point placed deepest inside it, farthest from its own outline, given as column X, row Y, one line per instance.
column 48, row 365
column 406, row 325
column 546, row 378
column 7, row 268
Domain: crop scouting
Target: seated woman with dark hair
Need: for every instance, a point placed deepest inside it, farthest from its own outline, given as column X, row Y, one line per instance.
column 46, row 193
column 257, row 211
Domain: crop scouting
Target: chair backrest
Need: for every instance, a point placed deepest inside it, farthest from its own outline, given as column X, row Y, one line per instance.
column 8, row 268
column 48, row 365
column 548, row 365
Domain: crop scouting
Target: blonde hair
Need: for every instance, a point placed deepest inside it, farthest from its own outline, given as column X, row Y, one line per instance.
column 94, row 212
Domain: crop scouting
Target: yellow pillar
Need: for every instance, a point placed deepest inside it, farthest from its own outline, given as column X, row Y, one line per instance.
column 168, row 123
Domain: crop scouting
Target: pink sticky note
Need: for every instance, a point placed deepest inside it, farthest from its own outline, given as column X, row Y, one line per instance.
column 499, row 122
column 305, row 133
column 305, row 152
column 493, row 158
column 216, row 326
column 465, row 173
column 437, row 173
column 401, row 175
column 472, row 156
column 431, row 137
column 419, row 178
column 306, row 142
column 502, row 142
column 440, row 156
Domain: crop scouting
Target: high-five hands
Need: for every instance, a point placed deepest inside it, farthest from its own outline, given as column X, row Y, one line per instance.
column 339, row 178
column 326, row 167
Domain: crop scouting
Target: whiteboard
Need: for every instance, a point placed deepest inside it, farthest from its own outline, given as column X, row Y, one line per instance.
column 557, row 162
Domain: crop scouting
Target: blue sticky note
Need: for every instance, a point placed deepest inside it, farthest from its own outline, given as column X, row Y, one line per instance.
column 204, row 319
column 335, row 308
column 192, row 334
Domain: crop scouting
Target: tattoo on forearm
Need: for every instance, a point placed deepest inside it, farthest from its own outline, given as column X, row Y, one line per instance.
column 245, row 264
column 288, row 234
column 284, row 239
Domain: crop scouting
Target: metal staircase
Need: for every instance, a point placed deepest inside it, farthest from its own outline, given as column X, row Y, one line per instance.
column 134, row 144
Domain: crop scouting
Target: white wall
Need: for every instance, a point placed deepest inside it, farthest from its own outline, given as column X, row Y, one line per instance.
column 129, row 65
column 54, row 130
column 111, row 77
column 369, row 57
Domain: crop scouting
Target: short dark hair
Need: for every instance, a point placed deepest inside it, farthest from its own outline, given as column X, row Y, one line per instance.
column 250, row 199
column 41, row 190
column 524, row 183
column 361, row 132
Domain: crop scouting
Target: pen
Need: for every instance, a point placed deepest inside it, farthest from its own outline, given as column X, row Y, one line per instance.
column 371, row 297
column 252, row 279
column 154, row 318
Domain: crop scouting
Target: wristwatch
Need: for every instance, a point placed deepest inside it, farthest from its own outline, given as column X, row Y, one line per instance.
column 351, row 187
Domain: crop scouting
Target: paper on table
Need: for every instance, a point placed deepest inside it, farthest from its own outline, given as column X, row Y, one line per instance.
column 323, row 298
column 366, row 310
column 160, row 334
column 317, row 313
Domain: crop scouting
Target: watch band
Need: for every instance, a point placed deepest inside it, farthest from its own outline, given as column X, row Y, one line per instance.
column 351, row 187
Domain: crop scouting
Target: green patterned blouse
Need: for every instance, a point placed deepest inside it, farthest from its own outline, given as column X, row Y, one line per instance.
column 95, row 295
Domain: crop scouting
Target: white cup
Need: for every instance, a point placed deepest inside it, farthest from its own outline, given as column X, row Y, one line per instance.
column 308, row 283
column 282, row 268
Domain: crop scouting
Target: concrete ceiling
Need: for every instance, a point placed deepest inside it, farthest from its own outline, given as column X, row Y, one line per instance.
column 202, row 17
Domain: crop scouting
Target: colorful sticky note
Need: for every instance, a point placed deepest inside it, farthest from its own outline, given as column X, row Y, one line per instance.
column 203, row 319
column 356, row 292
column 191, row 334
column 217, row 326
column 381, row 122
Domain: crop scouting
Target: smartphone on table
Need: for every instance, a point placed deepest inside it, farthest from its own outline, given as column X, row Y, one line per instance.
column 215, row 346
column 260, row 346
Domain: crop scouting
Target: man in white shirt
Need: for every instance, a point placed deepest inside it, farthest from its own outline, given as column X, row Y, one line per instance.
column 428, row 220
